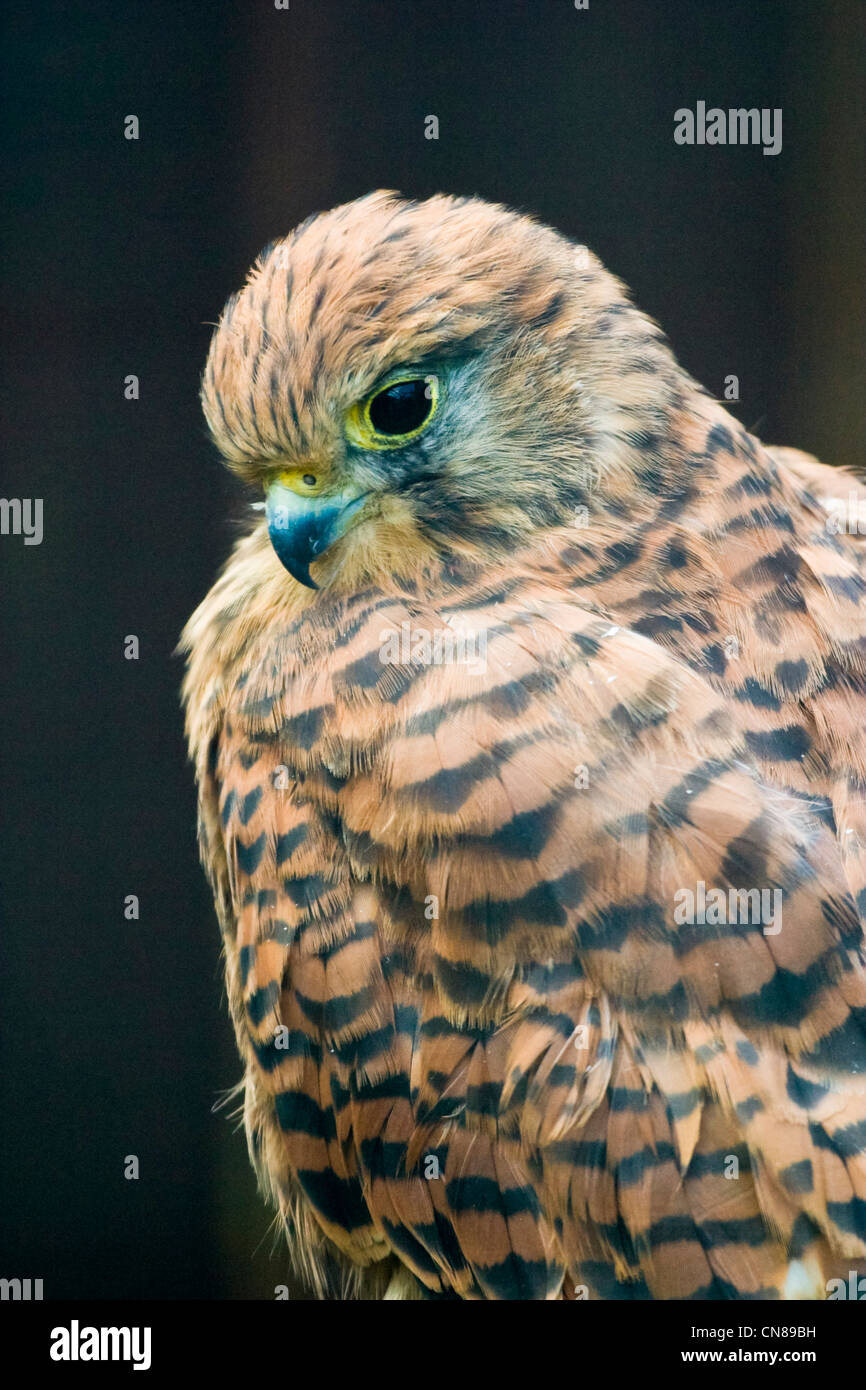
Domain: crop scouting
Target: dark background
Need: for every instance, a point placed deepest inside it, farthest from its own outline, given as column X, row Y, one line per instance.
column 116, row 255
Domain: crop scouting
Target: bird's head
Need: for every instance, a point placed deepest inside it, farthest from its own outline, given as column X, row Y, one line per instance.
column 411, row 380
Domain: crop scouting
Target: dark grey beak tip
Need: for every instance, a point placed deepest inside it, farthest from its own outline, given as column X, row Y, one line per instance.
column 300, row 572
column 306, row 538
column 299, row 545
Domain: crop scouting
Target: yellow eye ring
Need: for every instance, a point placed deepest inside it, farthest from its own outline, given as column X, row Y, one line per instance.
column 395, row 413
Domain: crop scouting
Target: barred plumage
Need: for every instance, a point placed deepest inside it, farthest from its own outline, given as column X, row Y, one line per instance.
column 479, row 1045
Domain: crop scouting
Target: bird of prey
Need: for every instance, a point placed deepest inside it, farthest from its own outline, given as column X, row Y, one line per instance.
column 529, row 724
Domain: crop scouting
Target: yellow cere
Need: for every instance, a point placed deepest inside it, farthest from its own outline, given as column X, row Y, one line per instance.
column 301, row 480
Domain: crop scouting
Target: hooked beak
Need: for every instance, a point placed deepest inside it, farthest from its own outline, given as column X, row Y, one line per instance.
column 302, row 528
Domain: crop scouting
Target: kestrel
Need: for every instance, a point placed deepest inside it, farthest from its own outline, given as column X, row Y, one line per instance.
column 529, row 725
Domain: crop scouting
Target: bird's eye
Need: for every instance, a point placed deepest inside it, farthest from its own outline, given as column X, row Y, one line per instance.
column 395, row 414
column 401, row 408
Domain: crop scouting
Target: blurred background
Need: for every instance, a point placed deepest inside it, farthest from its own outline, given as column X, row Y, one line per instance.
column 117, row 255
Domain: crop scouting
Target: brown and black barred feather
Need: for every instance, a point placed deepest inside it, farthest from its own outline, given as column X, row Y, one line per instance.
column 482, row 1057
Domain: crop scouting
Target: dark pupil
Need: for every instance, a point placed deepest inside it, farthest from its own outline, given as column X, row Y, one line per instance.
column 400, row 408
